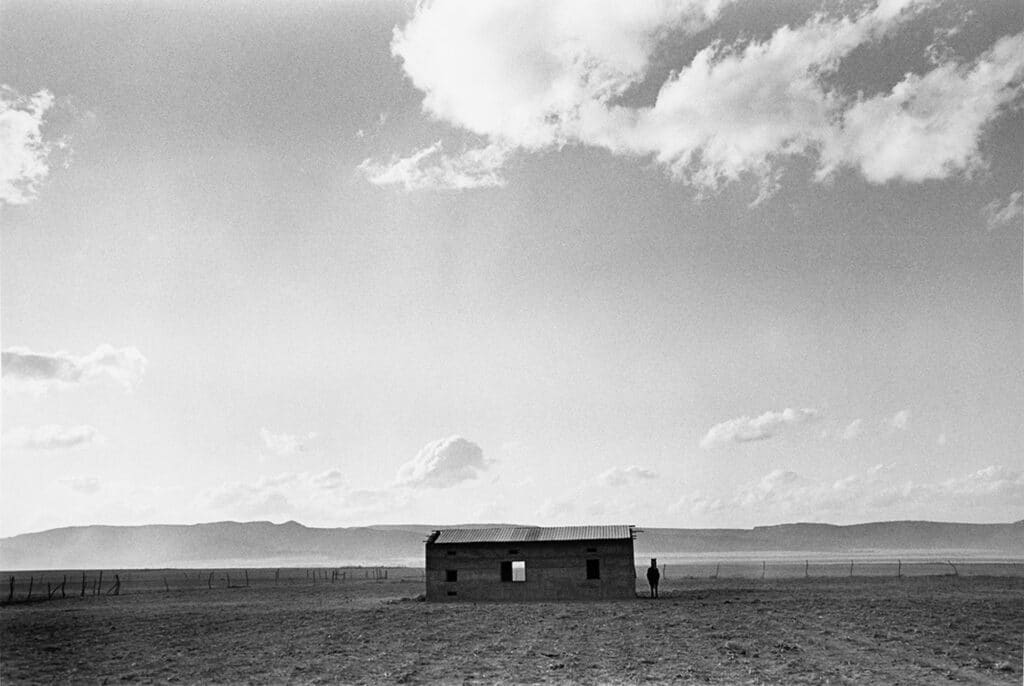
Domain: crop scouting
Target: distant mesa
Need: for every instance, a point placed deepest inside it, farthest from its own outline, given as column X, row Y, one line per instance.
column 265, row 544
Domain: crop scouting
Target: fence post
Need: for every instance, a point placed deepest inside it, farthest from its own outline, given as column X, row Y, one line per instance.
column 851, row 567
column 764, row 568
column 807, row 569
column 246, row 578
column 899, row 568
column 277, row 576
column 10, row 595
column 30, row 583
column 166, row 587
column 83, row 584
column 99, row 584
column 955, row 571
column 62, row 584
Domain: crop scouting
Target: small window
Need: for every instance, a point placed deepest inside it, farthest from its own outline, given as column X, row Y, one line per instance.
column 513, row 570
column 514, row 551
column 451, row 575
column 453, row 592
column 593, row 569
column 591, row 550
column 451, row 552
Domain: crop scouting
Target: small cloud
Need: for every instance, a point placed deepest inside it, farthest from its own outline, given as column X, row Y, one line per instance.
column 444, row 463
column 81, row 484
column 852, row 430
column 331, row 480
column 285, row 445
column 24, row 152
column 899, row 420
column 998, row 214
column 621, row 476
column 51, row 437
column 34, row 372
column 746, row 429
column 430, row 169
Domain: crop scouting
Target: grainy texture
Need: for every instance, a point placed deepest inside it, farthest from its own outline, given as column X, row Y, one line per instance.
column 839, row 631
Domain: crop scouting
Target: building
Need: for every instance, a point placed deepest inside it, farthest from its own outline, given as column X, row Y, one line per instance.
column 531, row 563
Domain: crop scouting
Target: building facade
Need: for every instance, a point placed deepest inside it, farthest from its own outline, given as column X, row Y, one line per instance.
column 531, row 563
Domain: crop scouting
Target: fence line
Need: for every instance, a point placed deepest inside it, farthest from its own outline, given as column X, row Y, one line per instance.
column 30, row 586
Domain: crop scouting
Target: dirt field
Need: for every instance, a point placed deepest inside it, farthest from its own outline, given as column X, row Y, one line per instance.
column 923, row 630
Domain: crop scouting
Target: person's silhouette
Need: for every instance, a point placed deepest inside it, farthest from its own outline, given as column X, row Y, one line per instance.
column 653, row 577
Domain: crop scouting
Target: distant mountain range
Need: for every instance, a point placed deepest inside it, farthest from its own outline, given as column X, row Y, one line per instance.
column 254, row 544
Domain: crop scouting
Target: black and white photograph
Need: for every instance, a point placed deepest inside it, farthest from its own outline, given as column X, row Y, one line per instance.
column 512, row 341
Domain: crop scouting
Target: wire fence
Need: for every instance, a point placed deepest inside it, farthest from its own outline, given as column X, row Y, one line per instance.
column 51, row 585
column 38, row 586
column 792, row 569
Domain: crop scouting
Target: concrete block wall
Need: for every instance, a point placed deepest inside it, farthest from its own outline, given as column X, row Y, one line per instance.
column 554, row 571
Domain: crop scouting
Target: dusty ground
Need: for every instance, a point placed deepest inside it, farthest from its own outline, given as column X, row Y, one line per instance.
column 923, row 630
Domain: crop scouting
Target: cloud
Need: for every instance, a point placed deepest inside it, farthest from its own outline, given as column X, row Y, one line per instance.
column 852, row 430
column 51, row 437
column 745, row 429
column 284, row 445
column 81, row 484
column 539, row 75
column 927, row 127
column 443, row 463
column 873, row 493
column 900, row 419
column 331, row 480
column 25, row 370
column 430, row 169
column 24, row 152
column 621, row 476
column 306, row 496
column 999, row 214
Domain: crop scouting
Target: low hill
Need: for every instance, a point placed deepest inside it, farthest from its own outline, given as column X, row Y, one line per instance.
column 292, row 544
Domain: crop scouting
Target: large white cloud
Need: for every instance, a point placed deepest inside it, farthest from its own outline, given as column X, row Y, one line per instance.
column 51, row 437
column 746, row 429
column 927, row 126
column 23, row 369
column 443, row 463
column 23, row 149
column 537, row 75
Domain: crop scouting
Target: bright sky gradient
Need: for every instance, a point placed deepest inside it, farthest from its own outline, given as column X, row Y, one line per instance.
column 703, row 263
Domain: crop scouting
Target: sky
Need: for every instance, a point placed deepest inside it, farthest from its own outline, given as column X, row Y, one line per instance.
column 683, row 263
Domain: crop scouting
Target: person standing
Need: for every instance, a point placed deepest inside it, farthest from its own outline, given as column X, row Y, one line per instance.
column 653, row 577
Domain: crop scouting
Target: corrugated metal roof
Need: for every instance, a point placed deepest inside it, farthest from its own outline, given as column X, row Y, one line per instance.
column 532, row 534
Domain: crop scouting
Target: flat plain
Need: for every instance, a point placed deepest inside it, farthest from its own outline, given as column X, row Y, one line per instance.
column 859, row 630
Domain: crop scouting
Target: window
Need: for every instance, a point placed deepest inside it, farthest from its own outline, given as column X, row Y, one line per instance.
column 451, row 552
column 453, row 592
column 591, row 550
column 514, row 551
column 513, row 570
column 593, row 569
column 451, row 575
